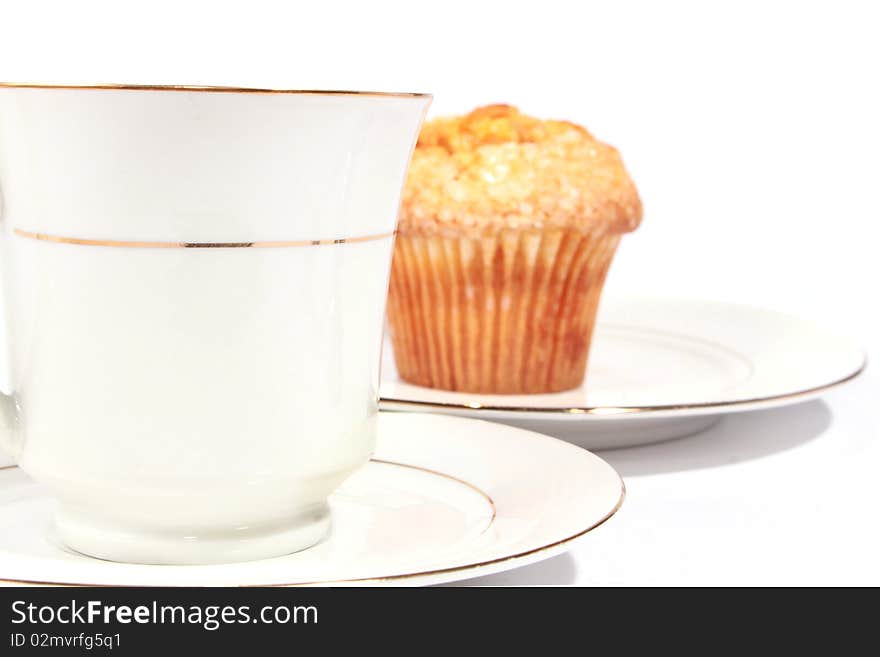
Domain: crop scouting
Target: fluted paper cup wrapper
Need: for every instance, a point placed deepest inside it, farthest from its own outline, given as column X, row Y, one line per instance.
column 506, row 314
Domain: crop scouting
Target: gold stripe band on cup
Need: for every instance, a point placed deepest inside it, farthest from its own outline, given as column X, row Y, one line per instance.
column 199, row 245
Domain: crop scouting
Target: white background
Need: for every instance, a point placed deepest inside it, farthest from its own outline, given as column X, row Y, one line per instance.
column 751, row 130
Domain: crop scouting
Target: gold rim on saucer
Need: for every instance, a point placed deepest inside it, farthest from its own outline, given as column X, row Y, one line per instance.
column 617, row 411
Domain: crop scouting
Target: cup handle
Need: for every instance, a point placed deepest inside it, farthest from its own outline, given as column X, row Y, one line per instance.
column 8, row 439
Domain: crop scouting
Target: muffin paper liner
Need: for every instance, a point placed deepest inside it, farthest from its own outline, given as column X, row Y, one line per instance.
column 511, row 313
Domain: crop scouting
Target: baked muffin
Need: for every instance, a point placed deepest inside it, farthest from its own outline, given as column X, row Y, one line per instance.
column 508, row 225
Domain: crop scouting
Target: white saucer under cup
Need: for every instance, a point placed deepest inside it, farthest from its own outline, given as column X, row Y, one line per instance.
column 662, row 369
column 443, row 499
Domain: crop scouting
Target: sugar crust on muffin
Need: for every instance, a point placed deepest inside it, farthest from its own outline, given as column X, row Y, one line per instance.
column 496, row 168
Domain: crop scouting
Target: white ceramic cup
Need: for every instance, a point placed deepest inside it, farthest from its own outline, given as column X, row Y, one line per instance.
column 194, row 285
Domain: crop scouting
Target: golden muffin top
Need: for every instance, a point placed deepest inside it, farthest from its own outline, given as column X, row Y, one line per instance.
column 496, row 168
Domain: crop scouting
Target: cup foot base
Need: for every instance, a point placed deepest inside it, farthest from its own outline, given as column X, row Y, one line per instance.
column 103, row 540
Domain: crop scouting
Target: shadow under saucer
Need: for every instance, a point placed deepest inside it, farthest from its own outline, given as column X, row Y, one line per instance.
column 556, row 571
column 737, row 437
